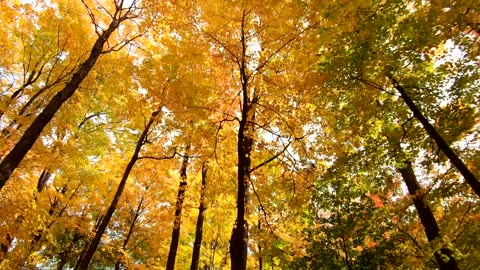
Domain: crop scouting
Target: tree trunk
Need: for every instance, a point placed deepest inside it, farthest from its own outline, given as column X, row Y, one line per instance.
column 85, row 260
column 442, row 144
column 239, row 239
column 42, row 181
column 16, row 155
column 427, row 218
column 172, row 254
column 201, row 215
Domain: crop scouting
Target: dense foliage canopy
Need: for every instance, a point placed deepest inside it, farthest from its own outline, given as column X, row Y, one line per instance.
column 242, row 134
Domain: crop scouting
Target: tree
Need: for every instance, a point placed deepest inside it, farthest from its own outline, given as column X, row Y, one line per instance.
column 84, row 261
column 306, row 112
column 410, row 64
column 16, row 155
column 441, row 143
column 178, row 211
column 426, row 216
column 260, row 45
column 197, row 244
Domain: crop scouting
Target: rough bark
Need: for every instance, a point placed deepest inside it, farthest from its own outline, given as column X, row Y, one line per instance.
column 201, row 215
column 16, row 155
column 172, row 254
column 92, row 247
column 427, row 218
column 442, row 144
column 238, row 241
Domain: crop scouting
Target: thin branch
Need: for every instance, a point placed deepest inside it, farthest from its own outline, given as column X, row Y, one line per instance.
column 93, row 19
column 279, row 116
column 88, row 118
column 101, row 7
column 261, row 206
column 160, row 158
column 217, row 111
column 117, row 47
column 277, row 51
column 270, row 159
column 375, row 86
column 235, row 57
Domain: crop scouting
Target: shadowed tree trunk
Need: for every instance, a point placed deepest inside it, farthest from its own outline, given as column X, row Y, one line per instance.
column 442, row 144
column 21, row 148
column 427, row 218
column 84, row 261
column 42, row 181
column 201, row 215
column 239, row 239
column 172, row 254
column 51, row 211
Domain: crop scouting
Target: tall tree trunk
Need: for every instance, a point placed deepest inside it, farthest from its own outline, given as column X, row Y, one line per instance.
column 201, row 215
column 130, row 230
column 442, row 144
column 239, row 239
column 427, row 218
column 16, row 155
column 172, row 254
column 84, row 261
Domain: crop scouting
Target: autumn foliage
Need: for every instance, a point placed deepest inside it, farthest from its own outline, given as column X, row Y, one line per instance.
column 142, row 134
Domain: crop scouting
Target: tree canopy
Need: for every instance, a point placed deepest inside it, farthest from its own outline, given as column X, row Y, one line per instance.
column 242, row 134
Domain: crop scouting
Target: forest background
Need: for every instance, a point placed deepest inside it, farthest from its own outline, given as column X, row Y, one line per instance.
column 291, row 134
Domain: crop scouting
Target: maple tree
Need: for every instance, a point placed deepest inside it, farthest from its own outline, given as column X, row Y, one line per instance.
column 284, row 134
